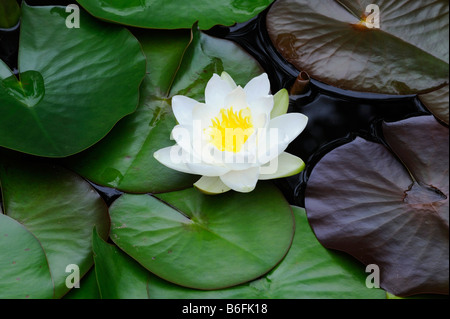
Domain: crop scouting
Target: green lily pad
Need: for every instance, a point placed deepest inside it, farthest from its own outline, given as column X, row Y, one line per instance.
column 308, row 271
column 175, row 14
column 58, row 208
column 73, row 86
column 24, row 271
column 201, row 241
column 179, row 62
column 118, row 275
column 408, row 54
column 386, row 210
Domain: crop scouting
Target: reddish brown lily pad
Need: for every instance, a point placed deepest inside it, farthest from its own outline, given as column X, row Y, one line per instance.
column 392, row 211
column 407, row 53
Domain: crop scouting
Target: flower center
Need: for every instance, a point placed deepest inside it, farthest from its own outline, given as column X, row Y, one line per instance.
column 230, row 130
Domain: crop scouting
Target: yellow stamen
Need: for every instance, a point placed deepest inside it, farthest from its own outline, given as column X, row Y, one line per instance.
column 230, row 129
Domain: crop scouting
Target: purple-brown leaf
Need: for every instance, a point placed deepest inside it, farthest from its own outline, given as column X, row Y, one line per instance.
column 389, row 211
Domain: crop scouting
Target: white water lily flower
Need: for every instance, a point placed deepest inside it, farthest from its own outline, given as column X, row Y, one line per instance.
column 237, row 137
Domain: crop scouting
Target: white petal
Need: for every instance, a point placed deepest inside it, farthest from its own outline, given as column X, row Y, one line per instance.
column 174, row 158
column 236, row 99
column 283, row 166
column 211, row 185
column 216, row 91
column 241, row 181
column 195, row 142
column 207, row 169
column 270, row 151
column 208, row 153
column 184, row 137
column 257, row 87
column 289, row 125
column 281, row 131
column 226, row 77
column 182, row 107
column 204, row 113
column 244, row 159
column 238, row 161
column 261, row 109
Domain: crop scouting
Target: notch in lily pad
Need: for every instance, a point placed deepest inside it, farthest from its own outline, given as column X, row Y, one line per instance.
column 337, row 45
column 29, row 90
column 74, row 84
column 364, row 201
column 201, row 241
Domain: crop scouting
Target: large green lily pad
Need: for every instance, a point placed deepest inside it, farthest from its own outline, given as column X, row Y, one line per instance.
column 175, row 14
column 201, row 241
column 73, row 86
column 179, row 62
column 308, row 271
column 361, row 199
column 408, row 54
column 57, row 208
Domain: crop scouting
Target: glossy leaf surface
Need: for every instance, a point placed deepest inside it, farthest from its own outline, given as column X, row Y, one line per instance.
column 202, row 241
column 332, row 42
column 364, row 201
column 178, row 63
column 308, row 271
column 175, row 14
column 58, row 208
column 74, row 83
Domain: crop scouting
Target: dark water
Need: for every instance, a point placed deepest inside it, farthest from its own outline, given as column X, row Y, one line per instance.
column 335, row 116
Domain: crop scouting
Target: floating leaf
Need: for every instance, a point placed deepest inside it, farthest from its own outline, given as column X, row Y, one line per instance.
column 437, row 102
column 73, row 86
column 308, row 271
column 175, row 14
column 118, row 275
column 24, row 271
column 57, row 207
column 362, row 200
column 201, row 241
column 178, row 63
column 408, row 54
